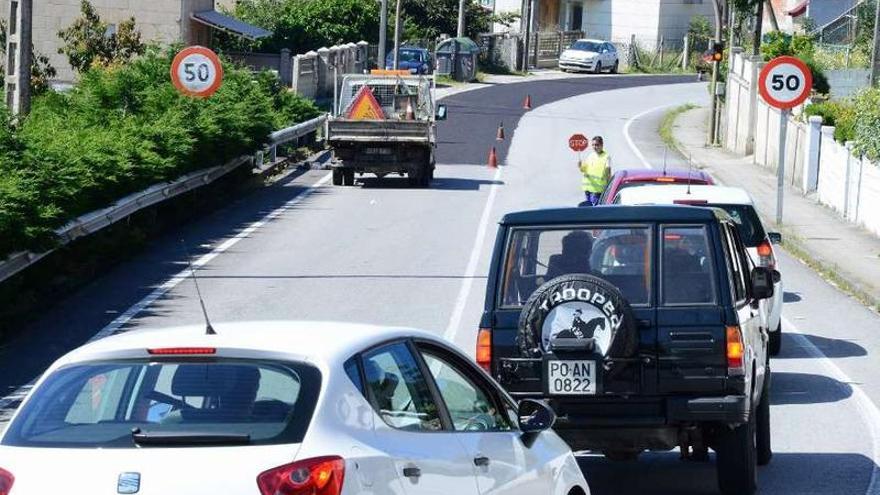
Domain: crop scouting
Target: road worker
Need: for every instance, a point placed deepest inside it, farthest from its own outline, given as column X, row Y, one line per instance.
column 596, row 170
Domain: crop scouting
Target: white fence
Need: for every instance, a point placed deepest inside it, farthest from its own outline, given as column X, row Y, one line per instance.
column 815, row 163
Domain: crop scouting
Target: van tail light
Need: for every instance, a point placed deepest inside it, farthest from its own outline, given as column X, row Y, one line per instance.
column 181, row 351
column 766, row 257
column 316, row 476
column 6, row 480
column 484, row 349
column 735, row 352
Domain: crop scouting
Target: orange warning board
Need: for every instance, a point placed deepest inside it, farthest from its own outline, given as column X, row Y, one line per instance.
column 365, row 106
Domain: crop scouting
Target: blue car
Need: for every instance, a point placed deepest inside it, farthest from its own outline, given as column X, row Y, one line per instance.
column 415, row 60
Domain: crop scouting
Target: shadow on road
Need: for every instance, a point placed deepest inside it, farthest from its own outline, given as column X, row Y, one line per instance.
column 791, row 297
column 788, row 473
column 439, row 183
column 805, row 388
column 831, row 348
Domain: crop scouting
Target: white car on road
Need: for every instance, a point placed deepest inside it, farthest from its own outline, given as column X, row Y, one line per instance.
column 279, row 408
column 739, row 205
column 590, row 55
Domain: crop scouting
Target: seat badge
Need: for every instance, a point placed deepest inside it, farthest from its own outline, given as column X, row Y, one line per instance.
column 128, row 483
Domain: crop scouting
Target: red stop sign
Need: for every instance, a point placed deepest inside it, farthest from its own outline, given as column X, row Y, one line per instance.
column 578, row 142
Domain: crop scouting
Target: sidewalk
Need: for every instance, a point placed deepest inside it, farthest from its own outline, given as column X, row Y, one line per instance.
column 846, row 255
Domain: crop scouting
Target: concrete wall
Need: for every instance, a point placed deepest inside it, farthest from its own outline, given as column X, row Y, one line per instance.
column 504, row 6
column 846, row 82
column 313, row 73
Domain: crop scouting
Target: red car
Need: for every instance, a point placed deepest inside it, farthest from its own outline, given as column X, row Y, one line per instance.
column 641, row 176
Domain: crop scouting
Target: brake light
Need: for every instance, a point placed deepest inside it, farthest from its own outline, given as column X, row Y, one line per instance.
column 690, row 202
column 735, row 351
column 317, row 476
column 181, row 351
column 484, row 349
column 766, row 257
column 665, row 179
column 6, row 480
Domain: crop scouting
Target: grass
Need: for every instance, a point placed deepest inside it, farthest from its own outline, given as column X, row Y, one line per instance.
column 668, row 123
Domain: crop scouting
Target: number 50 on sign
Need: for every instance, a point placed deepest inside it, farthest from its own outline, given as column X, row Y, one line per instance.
column 196, row 71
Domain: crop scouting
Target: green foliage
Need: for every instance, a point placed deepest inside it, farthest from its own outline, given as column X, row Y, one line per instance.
column 838, row 113
column 867, row 126
column 88, row 43
column 120, row 130
column 428, row 19
column 700, row 28
column 41, row 70
column 776, row 44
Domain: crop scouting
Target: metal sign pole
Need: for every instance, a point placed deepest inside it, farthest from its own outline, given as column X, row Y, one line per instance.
column 780, row 176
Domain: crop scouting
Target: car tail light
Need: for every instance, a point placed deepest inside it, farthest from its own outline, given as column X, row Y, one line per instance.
column 765, row 255
column 484, row 349
column 317, row 476
column 181, row 351
column 665, row 179
column 692, row 202
column 6, row 479
column 735, row 351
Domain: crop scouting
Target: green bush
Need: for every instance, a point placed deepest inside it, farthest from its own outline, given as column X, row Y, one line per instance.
column 867, row 126
column 120, row 130
column 776, row 44
column 840, row 114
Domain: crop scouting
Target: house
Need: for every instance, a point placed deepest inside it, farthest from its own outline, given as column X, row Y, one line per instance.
column 165, row 21
column 836, row 16
column 616, row 20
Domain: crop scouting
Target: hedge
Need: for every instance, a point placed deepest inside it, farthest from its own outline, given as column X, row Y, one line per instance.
column 838, row 113
column 867, row 127
column 120, row 130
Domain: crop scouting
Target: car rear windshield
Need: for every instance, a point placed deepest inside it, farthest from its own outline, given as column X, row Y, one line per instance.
column 104, row 404
column 587, row 46
column 751, row 230
column 687, row 268
column 620, row 255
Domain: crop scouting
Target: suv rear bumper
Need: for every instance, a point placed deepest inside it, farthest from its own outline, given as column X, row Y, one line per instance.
column 660, row 411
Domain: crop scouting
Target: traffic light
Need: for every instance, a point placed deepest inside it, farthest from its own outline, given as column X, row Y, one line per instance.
column 717, row 51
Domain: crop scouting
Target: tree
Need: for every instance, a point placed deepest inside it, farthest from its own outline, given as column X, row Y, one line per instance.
column 89, row 41
column 41, row 70
column 428, row 19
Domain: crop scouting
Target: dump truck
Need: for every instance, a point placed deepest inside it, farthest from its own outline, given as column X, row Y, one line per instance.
column 384, row 124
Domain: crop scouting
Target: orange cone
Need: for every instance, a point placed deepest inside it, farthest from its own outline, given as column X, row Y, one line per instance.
column 500, row 135
column 527, row 104
column 493, row 158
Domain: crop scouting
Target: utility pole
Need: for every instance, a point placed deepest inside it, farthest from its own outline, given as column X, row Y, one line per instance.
column 19, row 57
column 875, row 54
column 759, row 22
column 462, row 6
column 772, row 16
column 397, row 36
column 527, row 20
column 713, row 138
column 383, row 34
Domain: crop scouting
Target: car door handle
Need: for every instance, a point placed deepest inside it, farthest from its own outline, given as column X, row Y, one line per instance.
column 412, row 472
column 481, row 460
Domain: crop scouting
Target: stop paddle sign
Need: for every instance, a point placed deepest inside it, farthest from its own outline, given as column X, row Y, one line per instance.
column 578, row 142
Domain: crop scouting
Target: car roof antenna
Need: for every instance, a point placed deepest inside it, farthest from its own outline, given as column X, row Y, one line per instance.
column 665, row 150
column 690, row 169
column 209, row 330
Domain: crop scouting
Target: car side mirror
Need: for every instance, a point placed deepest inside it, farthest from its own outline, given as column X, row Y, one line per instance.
column 535, row 416
column 775, row 237
column 762, row 283
column 441, row 112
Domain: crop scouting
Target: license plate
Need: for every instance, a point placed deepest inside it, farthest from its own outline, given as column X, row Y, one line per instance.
column 378, row 151
column 571, row 377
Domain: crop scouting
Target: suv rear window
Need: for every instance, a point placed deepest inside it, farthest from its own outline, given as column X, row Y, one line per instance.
column 98, row 404
column 620, row 255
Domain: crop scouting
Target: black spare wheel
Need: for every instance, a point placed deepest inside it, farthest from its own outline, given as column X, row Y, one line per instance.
column 578, row 307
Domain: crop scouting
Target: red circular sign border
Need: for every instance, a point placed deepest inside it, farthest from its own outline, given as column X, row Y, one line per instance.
column 586, row 139
column 207, row 52
column 765, row 72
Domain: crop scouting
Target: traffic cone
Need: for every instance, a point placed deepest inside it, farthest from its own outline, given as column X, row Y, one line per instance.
column 527, row 104
column 493, row 158
column 500, row 135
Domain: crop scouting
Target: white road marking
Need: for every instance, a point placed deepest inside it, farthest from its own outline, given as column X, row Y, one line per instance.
column 867, row 409
column 629, row 140
column 174, row 281
column 471, row 270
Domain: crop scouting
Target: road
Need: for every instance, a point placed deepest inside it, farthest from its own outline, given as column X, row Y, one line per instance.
column 383, row 253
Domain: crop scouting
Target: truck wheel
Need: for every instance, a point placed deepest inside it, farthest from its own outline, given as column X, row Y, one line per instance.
column 604, row 316
column 762, row 433
column 337, row 176
column 348, row 177
column 775, row 344
column 736, row 459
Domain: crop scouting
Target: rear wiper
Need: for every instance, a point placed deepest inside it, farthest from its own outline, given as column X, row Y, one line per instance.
column 188, row 438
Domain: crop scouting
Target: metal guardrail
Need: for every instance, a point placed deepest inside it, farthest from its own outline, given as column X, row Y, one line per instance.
column 123, row 208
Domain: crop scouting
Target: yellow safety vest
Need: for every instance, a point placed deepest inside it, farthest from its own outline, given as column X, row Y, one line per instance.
column 596, row 172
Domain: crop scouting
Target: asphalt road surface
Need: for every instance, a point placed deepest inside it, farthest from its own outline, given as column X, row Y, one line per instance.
column 383, row 253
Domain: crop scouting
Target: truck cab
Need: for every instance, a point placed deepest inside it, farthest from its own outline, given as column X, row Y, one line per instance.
column 640, row 326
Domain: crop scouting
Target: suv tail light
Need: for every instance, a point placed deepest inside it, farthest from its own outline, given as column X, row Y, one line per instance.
column 735, row 352
column 484, row 349
column 765, row 255
column 317, row 476
column 6, row 480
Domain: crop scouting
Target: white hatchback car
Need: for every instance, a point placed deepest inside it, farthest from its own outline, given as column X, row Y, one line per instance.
column 739, row 205
column 279, row 408
column 590, row 55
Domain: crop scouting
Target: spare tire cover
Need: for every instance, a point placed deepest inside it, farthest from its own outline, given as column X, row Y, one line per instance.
column 578, row 306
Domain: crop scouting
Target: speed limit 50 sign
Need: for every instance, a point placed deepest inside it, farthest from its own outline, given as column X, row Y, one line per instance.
column 785, row 82
column 196, row 71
